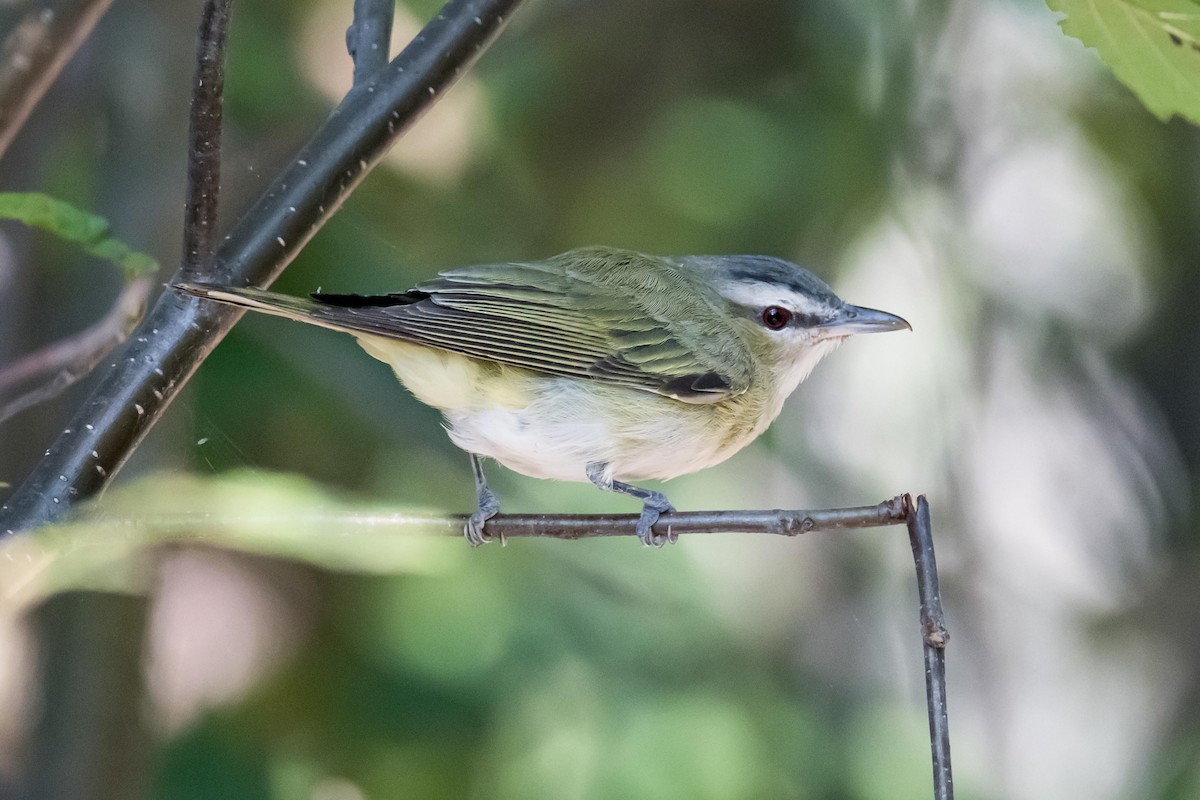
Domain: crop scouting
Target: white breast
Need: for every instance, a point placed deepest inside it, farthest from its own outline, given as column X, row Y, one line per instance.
column 572, row 423
column 555, row 427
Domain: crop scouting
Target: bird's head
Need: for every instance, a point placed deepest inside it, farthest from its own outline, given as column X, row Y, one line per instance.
column 797, row 317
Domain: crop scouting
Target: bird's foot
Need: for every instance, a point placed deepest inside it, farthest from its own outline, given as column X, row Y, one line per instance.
column 654, row 505
column 488, row 507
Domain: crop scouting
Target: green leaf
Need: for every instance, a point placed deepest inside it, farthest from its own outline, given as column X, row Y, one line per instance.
column 113, row 544
column 73, row 225
column 1153, row 47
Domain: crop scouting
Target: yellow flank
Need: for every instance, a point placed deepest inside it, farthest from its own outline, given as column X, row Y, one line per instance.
column 449, row 381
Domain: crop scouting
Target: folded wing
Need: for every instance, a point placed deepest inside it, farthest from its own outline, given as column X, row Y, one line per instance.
column 562, row 317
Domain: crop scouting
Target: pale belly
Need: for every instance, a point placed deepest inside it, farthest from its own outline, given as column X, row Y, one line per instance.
column 555, row 427
column 572, row 423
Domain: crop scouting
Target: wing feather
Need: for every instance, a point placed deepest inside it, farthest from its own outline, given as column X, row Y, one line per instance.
column 609, row 315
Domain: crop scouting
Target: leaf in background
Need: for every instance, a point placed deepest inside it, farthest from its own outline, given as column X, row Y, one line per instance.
column 73, row 225
column 112, row 544
column 1153, row 47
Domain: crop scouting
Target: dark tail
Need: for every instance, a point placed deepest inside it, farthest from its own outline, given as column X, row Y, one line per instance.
column 301, row 309
column 350, row 313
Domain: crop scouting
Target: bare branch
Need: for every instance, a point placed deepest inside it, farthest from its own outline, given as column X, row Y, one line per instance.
column 66, row 361
column 777, row 522
column 34, row 54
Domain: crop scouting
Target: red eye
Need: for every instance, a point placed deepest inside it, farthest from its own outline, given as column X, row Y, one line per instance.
column 776, row 318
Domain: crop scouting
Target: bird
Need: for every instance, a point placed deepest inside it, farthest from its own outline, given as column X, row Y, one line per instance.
column 599, row 364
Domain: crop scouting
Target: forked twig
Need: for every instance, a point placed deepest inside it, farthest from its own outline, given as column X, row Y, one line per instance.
column 899, row 510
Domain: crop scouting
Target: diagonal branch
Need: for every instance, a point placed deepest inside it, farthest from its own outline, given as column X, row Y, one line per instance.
column 179, row 331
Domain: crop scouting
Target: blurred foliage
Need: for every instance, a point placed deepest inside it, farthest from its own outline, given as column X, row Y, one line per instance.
column 943, row 160
column 261, row 513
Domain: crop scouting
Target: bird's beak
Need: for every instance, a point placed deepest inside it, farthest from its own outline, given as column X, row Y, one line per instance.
column 856, row 319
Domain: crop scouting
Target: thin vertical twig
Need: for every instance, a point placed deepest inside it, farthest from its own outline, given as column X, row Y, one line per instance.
column 934, row 637
column 204, row 142
column 369, row 37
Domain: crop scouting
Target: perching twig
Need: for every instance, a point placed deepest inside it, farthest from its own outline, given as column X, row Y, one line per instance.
column 204, row 142
column 898, row 510
column 179, row 332
column 902, row 509
column 370, row 36
column 778, row 522
column 35, row 52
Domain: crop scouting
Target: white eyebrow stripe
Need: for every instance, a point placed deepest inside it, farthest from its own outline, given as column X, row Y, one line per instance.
column 760, row 295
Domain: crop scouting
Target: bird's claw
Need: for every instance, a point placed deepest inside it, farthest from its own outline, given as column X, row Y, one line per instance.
column 489, row 507
column 654, row 506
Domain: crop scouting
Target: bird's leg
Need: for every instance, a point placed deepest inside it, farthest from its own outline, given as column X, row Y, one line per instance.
column 488, row 505
column 653, row 503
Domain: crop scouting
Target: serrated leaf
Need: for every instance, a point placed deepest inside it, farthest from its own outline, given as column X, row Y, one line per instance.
column 74, row 225
column 1152, row 46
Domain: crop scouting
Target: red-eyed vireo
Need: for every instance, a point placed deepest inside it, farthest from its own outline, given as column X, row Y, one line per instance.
column 599, row 364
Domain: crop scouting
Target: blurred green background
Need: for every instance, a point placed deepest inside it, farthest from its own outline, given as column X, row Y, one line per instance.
column 962, row 164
